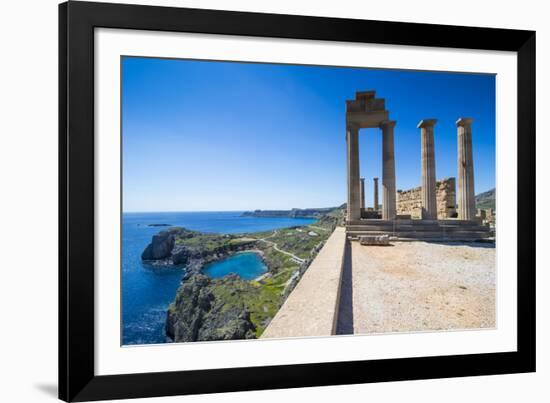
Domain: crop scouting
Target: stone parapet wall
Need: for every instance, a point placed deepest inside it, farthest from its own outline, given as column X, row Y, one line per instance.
column 410, row 201
column 311, row 309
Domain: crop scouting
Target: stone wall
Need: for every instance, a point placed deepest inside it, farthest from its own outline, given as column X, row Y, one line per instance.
column 299, row 317
column 409, row 202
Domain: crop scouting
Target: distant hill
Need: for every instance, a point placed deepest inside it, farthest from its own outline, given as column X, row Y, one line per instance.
column 486, row 200
column 294, row 213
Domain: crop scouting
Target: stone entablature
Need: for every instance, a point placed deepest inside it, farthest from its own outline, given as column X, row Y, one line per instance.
column 409, row 202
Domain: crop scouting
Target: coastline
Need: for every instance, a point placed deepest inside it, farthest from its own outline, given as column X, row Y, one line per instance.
column 252, row 301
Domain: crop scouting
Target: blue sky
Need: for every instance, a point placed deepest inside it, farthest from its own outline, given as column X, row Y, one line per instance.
column 215, row 136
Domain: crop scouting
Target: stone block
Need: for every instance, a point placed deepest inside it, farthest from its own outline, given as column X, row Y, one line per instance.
column 377, row 240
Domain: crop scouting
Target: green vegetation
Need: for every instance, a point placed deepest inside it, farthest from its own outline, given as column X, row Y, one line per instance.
column 229, row 307
column 299, row 241
column 261, row 300
column 198, row 241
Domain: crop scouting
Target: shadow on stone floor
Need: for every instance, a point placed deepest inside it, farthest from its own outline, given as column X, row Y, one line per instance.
column 345, row 308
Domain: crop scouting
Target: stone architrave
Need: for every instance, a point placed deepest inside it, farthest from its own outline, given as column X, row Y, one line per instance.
column 354, row 197
column 466, row 193
column 429, row 200
column 375, row 202
column 388, row 170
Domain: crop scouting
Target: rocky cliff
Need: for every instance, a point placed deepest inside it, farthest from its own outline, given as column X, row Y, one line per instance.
column 204, row 309
column 200, row 311
column 180, row 246
column 207, row 309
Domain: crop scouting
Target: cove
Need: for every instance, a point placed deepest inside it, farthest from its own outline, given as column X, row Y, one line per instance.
column 147, row 290
column 247, row 265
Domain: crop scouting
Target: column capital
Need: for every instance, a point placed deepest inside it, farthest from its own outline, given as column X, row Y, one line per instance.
column 426, row 123
column 387, row 123
column 464, row 122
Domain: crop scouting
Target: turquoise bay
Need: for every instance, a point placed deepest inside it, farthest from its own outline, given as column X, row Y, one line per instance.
column 148, row 290
column 247, row 265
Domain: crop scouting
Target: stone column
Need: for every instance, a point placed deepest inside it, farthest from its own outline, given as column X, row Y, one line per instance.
column 375, row 204
column 428, row 190
column 466, row 195
column 388, row 170
column 354, row 198
column 362, row 192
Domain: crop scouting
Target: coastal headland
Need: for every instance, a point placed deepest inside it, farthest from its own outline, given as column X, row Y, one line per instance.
column 207, row 309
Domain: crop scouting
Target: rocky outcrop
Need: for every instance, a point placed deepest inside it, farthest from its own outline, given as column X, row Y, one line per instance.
column 204, row 309
column 202, row 312
column 192, row 249
column 160, row 247
column 227, row 308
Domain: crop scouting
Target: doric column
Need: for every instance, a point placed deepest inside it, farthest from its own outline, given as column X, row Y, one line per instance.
column 375, row 204
column 428, row 192
column 388, row 170
column 354, row 200
column 362, row 192
column 466, row 194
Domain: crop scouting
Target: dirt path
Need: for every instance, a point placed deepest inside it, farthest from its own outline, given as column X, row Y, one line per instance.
column 296, row 258
column 417, row 286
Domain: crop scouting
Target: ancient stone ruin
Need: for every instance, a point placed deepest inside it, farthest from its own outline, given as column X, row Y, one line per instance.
column 427, row 212
column 409, row 202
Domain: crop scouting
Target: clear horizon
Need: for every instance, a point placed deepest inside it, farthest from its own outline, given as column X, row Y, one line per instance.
column 217, row 211
column 202, row 136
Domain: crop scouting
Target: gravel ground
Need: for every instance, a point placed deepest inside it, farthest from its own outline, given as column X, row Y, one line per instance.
column 419, row 286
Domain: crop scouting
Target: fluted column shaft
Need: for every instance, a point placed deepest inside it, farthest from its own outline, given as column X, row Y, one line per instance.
column 428, row 190
column 466, row 193
column 375, row 204
column 354, row 198
column 388, row 170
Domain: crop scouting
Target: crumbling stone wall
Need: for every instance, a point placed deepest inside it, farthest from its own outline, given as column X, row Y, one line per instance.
column 409, row 202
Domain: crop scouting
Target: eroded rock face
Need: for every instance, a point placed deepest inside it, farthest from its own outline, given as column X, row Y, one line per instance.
column 197, row 314
column 185, row 314
column 160, row 247
column 181, row 255
column 204, row 309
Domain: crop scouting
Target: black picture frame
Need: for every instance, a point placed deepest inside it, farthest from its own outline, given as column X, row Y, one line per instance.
column 77, row 21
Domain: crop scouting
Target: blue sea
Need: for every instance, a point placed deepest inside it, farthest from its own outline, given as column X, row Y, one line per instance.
column 148, row 290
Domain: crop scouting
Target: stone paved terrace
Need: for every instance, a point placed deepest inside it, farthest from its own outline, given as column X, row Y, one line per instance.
column 419, row 286
column 405, row 287
column 311, row 309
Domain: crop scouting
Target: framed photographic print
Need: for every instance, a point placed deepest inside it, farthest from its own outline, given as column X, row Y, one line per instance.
column 258, row 201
